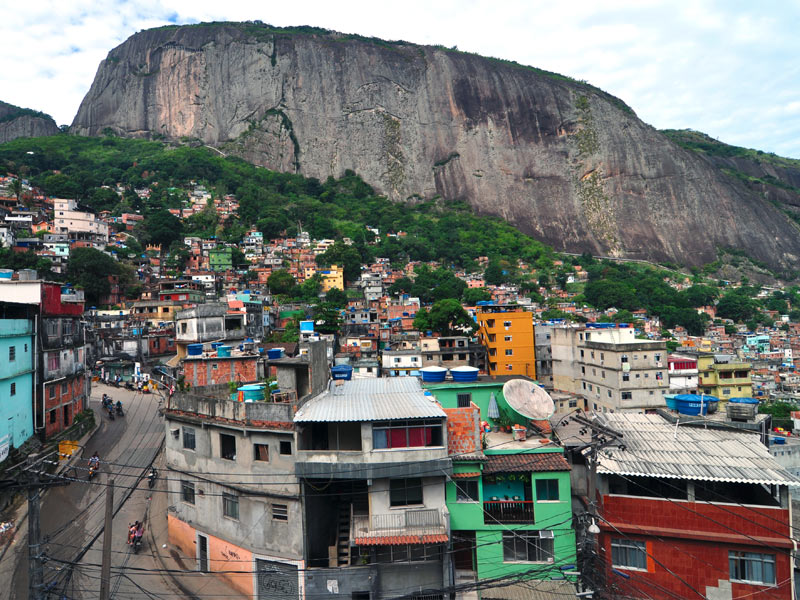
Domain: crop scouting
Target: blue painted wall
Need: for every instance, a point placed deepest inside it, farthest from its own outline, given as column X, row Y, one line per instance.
column 16, row 411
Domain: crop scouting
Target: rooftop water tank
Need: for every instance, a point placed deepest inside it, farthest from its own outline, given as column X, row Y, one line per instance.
column 464, row 374
column 273, row 353
column 742, row 409
column 6, row 273
column 433, row 374
column 216, row 345
column 694, row 404
column 344, row 372
column 253, row 392
column 224, row 351
column 194, row 349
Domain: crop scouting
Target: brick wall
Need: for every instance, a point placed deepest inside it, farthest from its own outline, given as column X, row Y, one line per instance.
column 214, row 371
column 463, row 433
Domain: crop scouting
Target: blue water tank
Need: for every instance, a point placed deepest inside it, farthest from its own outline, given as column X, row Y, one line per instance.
column 216, row 345
column 274, row 353
column 194, row 349
column 464, row 374
column 778, row 440
column 744, row 400
column 433, row 374
column 694, row 404
column 342, row 372
column 224, row 351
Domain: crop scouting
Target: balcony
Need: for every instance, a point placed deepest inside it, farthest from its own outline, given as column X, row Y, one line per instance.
column 507, row 511
column 420, row 526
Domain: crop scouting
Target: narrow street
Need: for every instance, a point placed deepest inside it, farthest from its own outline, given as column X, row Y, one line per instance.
column 72, row 516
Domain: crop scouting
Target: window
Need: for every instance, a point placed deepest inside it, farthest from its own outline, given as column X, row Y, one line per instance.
column 187, row 491
column 286, row 448
column 629, row 554
column 507, row 338
column 509, row 352
column 406, row 434
column 627, row 395
column 52, row 414
column 547, row 490
column 581, row 353
column 14, row 389
column 52, row 391
column 527, row 546
column 509, row 367
column 53, row 362
column 506, row 323
column 624, row 358
column 405, row 492
column 626, row 377
column 230, row 505
column 752, row 567
column 188, row 438
column 657, row 357
column 227, row 446
column 64, row 388
column 602, row 356
column 261, row 452
column 12, row 353
column 463, row 400
column 280, row 512
column 467, row 491
column 573, row 403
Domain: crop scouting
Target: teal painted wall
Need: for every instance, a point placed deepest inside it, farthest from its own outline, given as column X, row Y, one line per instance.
column 16, row 412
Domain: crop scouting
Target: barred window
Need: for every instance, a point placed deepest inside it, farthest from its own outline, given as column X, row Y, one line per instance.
column 527, row 546
column 230, row 505
column 187, row 491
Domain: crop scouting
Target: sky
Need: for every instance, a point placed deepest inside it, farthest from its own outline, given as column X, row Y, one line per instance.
column 727, row 68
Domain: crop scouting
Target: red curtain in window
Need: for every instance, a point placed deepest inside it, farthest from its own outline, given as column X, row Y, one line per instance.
column 398, row 438
column 416, row 436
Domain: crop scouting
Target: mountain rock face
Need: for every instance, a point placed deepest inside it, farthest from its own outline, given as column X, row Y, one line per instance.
column 16, row 122
column 559, row 159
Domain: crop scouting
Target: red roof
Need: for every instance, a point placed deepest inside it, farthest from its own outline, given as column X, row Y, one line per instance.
column 525, row 463
column 402, row 540
column 466, row 475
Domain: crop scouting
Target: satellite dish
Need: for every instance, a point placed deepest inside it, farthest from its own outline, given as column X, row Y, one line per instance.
column 528, row 399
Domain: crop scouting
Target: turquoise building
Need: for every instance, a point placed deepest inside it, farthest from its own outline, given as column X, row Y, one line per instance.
column 16, row 382
column 509, row 499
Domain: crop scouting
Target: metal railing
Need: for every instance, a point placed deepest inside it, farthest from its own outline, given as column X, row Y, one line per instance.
column 508, row 511
column 407, row 522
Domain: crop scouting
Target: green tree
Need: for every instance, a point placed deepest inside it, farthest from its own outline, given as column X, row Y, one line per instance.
column 327, row 318
column 90, row 269
column 345, row 256
column 238, row 259
column 160, row 227
column 336, row 298
column 700, row 295
column 15, row 187
column 730, row 329
column 494, row 273
column 280, row 282
column 736, row 306
column 472, row 296
column 445, row 317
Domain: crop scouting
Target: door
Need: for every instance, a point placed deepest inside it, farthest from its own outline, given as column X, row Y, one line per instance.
column 464, row 550
column 202, row 553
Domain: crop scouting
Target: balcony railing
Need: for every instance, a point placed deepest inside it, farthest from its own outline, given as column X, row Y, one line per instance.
column 507, row 511
column 422, row 522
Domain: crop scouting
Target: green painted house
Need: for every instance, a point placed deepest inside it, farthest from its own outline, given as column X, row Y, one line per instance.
column 220, row 259
column 16, row 381
column 509, row 500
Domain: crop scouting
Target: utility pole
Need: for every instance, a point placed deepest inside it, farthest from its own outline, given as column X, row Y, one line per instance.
column 105, row 568
column 35, row 571
column 592, row 577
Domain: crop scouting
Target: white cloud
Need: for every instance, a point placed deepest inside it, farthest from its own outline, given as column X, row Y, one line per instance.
column 727, row 68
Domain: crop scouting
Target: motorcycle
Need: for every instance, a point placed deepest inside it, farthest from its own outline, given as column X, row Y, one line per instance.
column 151, row 477
column 111, row 412
column 137, row 544
column 92, row 472
column 129, row 386
column 119, row 410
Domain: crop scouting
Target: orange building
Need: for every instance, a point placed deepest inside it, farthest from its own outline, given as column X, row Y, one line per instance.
column 507, row 333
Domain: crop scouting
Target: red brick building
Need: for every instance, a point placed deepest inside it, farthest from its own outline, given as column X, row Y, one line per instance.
column 213, row 370
column 687, row 511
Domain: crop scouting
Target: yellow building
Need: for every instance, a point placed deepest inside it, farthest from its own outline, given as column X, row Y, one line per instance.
column 507, row 333
column 723, row 376
column 332, row 277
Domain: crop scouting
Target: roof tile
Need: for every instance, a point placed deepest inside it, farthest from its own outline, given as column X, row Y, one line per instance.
column 525, row 463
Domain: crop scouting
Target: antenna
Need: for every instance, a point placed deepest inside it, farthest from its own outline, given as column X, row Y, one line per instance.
column 528, row 399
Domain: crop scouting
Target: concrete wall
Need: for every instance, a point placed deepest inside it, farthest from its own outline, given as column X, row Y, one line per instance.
column 433, row 496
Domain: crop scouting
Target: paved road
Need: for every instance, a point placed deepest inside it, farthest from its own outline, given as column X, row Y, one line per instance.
column 72, row 516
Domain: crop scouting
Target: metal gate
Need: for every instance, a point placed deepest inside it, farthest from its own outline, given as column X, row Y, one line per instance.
column 276, row 581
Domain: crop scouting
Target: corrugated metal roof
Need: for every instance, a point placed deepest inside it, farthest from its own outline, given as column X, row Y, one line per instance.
column 380, row 399
column 655, row 448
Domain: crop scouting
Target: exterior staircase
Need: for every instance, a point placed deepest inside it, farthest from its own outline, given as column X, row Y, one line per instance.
column 343, row 535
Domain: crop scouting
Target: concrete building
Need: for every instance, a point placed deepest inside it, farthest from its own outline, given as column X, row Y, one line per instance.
column 452, row 351
column 372, row 455
column 724, row 376
column 207, row 323
column 507, row 333
column 544, row 354
column 400, row 363
column 79, row 225
column 18, row 359
column 609, row 367
column 332, row 277
column 683, row 374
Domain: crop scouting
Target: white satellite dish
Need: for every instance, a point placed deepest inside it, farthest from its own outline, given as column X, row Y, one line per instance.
column 528, row 399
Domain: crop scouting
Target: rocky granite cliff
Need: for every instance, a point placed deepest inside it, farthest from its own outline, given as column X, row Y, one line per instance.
column 16, row 122
column 559, row 159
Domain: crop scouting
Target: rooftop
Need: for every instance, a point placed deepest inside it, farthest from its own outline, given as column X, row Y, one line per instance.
column 656, row 448
column 382, row 399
